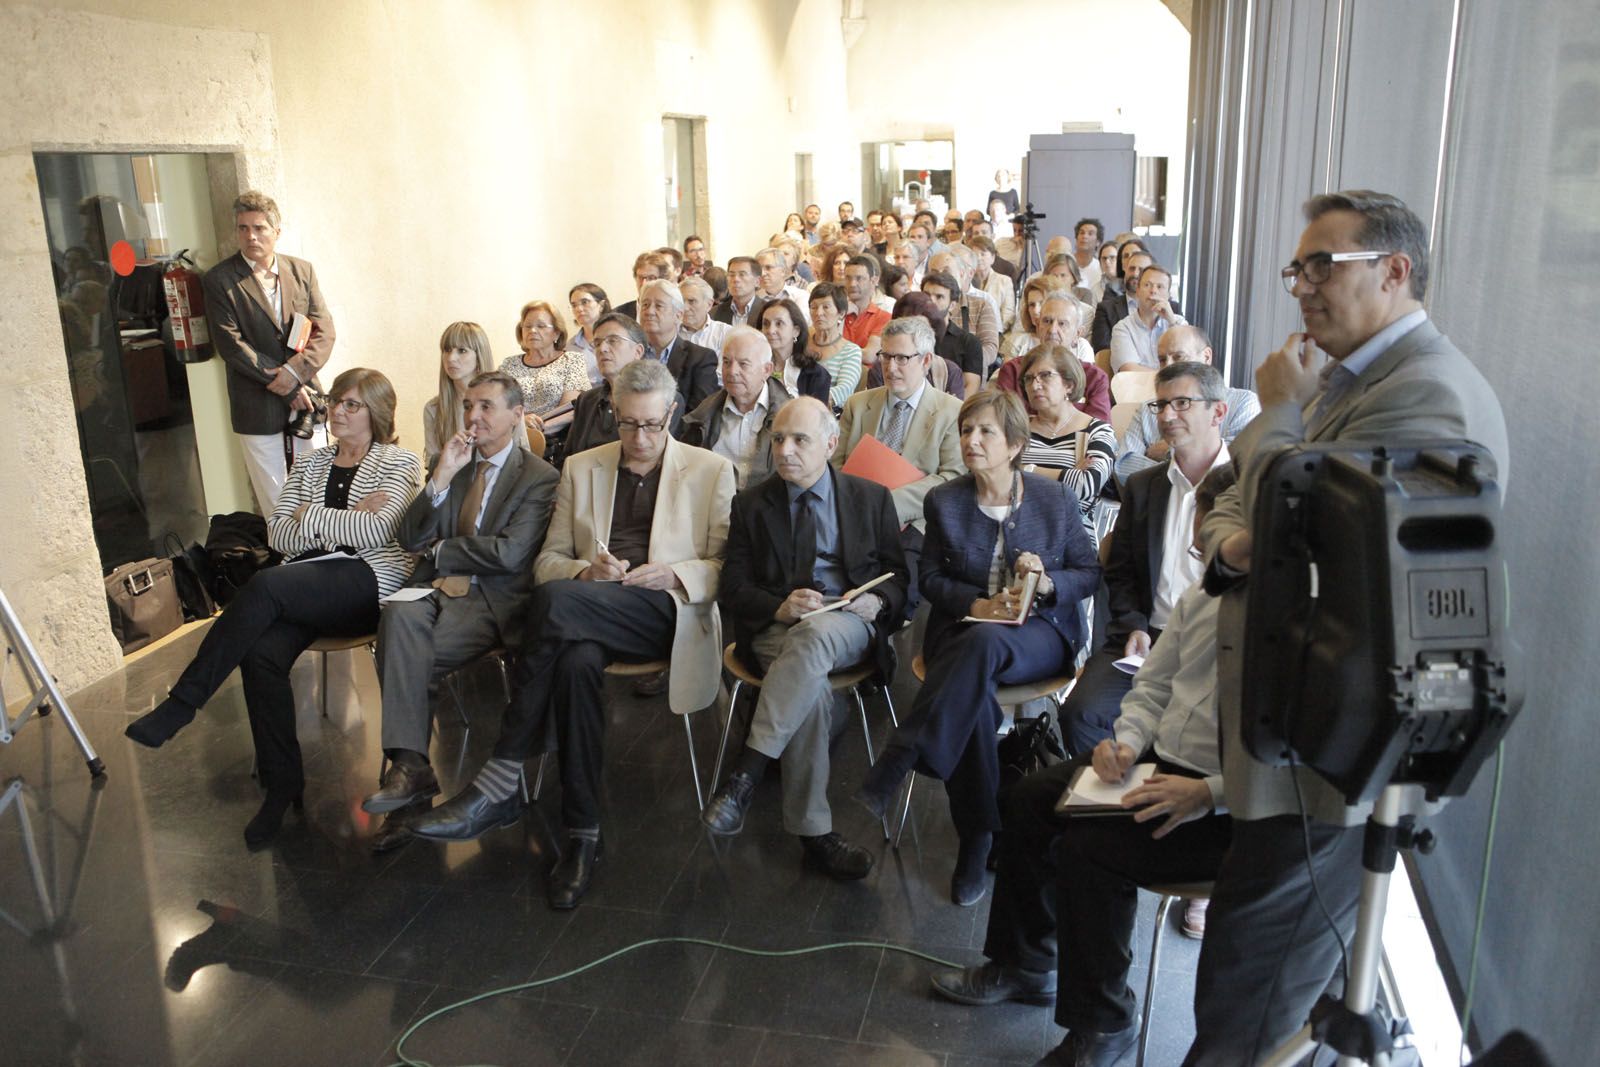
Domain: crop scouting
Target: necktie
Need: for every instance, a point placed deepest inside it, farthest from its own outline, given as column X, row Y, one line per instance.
column 805, row 541
column 899, row 421
column 466, row 526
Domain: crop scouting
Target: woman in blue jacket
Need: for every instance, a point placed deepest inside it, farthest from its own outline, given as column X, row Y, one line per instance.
column 987, row 530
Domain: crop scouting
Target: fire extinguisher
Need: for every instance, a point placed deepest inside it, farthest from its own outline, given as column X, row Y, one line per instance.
column 186, row 307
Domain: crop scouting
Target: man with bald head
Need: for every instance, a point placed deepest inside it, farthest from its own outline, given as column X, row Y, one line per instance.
column 1143, row 446
column 736, row 421
column 797, row 541
column 1058, row 320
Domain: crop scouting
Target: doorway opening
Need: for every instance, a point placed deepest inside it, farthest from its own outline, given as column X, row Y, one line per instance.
column 115, row 222
column 897, row 174
column 683, row 146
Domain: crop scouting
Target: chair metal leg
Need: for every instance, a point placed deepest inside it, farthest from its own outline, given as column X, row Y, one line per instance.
column 694, row 764
column 324, row 685
column 505, row 674
column 452, row 682
column 727, row 728
column 866, row 729
column 1150, row 980
column 538, row 779
column 905, row 810
column 888, row 700
column 522, row 781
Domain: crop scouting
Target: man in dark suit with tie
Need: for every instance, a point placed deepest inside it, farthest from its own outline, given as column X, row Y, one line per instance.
column 693, row 367
column 1149, row 566
column 802, row 534
column 477, row 525
column 252, row 298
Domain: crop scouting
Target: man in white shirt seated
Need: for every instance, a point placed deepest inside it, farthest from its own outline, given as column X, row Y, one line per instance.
column 775, row 268
column 1066, row 889
column 1087, row 235
column 698, row 325
column 1142, row 445
column 735, row 422
column 1150, row 314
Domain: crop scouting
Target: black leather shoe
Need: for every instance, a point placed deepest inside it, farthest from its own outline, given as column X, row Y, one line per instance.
column 401, row 786
column 396, row 828
column 467, row 815
column 1084, row 1048
column 569, row 878
column 991, row 983
column 836, row 857
column 724, row 813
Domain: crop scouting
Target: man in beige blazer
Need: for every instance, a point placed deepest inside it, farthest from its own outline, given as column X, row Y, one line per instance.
column 914, row 419
column 628, row 571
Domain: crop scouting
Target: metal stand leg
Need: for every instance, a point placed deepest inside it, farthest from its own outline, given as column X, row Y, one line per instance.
column 1380, row 851
column 43, row 696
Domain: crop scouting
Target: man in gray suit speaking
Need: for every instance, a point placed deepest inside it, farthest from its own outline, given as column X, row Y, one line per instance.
column 252, row 298
column 1359, row 274
column 477, row 525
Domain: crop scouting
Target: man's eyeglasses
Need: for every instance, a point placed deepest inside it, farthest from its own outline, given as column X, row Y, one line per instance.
column 1318, row 267
column 1180, row 404
column 349, row 405
column 901, row 360
column 648, row 428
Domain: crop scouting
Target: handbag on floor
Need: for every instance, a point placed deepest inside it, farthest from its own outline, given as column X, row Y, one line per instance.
column 144, row 602
column 190, row 568
column 1032, row 745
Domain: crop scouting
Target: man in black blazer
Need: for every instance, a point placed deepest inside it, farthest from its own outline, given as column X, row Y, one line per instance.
column 618, row 341
column 477, row 525
column 693, row 366
column 803, row 534
column 742, row 306
column 252, row 298
column 1149, row 565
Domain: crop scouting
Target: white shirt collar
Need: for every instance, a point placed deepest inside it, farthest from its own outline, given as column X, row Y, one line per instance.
column 498, row 460
column 1380, row 342
column 1176, row 476
column 761, row 404
column 914, row 399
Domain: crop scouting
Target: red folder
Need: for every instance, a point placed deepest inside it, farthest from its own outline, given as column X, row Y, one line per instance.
column 877, row 462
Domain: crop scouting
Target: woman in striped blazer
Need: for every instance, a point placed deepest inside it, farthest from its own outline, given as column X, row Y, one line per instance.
column 342, row 502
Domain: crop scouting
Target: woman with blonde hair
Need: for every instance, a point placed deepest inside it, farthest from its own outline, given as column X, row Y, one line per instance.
column 464, row 352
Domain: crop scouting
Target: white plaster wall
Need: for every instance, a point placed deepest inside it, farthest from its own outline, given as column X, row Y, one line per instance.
column 992, row 74
column 214, row 93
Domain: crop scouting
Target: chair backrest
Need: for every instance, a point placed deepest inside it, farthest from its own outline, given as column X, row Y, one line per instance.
column 1102, row 359
column 1133, row 385
column 536, row 442
column 1122, row 415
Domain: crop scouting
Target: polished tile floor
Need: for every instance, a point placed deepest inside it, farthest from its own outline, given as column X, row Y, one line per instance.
column 136, row 929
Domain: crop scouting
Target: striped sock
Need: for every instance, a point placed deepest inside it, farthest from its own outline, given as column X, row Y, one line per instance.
column 498, row 779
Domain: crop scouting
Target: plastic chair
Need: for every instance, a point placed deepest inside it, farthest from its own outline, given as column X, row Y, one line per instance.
column 1007, row 696
column 325, row 645
column 1122, row 415
column 1168, row 892
column 851, row 679
column 1133, row 386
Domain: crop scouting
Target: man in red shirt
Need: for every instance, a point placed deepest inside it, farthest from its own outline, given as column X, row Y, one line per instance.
column 864, row 322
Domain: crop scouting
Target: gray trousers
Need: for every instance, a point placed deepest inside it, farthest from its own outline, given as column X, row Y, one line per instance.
column 418, row 642
column 794, row 716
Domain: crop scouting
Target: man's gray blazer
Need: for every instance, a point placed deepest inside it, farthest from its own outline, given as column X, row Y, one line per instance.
column 1422, row 388
column 500, row 555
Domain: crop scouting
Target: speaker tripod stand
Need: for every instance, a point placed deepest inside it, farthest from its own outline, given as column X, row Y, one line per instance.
column 1353, row 1027
column 43, row 696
